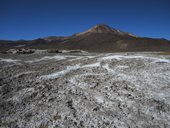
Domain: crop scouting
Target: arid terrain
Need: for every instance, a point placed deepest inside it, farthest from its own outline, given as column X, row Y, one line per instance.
column 90, row 90
column 100, row 38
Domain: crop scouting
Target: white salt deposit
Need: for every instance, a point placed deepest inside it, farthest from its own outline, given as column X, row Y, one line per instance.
column 9, row 60
column 120, row 57
column 109, row 70
column 99, row 98
column 47, row 58
column 92, row 65
column 162, row 61
column 60, row 73
column 23, row 73
column 122, row 66
column 116, row 57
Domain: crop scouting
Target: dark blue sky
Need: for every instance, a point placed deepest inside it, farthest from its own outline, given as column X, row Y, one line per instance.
column 30, row 19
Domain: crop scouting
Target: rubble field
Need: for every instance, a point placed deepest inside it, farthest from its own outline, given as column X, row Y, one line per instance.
column 90, row 90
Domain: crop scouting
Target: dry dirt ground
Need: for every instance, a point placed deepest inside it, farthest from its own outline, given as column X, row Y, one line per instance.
column 113, row 90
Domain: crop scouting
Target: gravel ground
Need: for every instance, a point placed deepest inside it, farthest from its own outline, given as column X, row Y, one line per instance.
column 113, row 90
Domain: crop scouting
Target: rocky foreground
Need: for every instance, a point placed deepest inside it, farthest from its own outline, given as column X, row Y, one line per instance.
column 75, row 90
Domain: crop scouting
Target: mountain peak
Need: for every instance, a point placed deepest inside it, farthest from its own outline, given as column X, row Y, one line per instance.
column 105, row 29
column 101, row 28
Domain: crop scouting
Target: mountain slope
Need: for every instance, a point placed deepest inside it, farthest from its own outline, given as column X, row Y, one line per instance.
column 100, row 38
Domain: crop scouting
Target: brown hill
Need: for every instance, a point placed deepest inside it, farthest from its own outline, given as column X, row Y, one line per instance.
column 100, row 38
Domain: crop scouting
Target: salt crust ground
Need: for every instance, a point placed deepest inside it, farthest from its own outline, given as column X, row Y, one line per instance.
column 114, row 90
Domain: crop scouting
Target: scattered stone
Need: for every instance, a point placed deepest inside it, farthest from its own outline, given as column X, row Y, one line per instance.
column 115, row 90
column 21, row 51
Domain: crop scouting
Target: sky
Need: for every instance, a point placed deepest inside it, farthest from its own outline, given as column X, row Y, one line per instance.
column 31, row 19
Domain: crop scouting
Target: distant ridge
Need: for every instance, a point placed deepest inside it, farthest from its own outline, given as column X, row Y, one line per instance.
column 100, row 38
